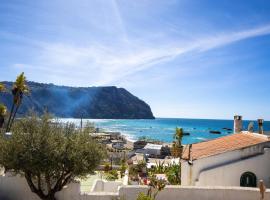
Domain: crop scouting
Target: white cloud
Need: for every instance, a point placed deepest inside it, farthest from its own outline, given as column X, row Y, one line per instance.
column 105, row 64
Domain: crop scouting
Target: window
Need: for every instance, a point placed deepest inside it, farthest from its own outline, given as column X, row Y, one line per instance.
column 248, row 179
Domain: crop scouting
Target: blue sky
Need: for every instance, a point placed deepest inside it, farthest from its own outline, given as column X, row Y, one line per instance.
column 195, row 59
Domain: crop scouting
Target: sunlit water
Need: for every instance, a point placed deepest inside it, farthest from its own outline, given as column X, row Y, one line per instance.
column 164, row 128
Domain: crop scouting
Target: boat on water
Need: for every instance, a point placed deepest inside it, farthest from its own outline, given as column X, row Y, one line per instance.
column 186, row 133
column 215, row 132
column 228, row 129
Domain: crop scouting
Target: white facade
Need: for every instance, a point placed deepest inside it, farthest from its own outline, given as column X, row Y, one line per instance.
column 154, row 149
column 226, row 169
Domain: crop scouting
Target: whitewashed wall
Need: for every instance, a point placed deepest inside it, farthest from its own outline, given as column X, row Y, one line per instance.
column 195, row 193
column 226, row 169
column 106, row 186
column 229, row 175
column 16, row 188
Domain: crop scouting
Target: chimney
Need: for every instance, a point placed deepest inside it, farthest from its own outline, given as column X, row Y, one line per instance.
column 190, row 161
column 237, row 128
column 260, row 126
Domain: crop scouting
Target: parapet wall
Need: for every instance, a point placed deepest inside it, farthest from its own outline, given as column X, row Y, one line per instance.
column 195, row 193
column 106, row 186
column 16, row 188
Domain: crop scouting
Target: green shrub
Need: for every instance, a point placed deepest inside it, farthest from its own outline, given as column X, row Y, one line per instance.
column 123, row 169
column 143, row 196
column 112, row 175
column 107, row 167
column 173, row 174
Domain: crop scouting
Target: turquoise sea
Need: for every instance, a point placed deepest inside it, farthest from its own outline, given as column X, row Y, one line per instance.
column 164, row 128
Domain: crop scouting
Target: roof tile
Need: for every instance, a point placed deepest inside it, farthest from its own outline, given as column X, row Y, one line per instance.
column 223, row 144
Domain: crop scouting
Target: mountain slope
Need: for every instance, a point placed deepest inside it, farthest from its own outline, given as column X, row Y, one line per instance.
column 86, row 102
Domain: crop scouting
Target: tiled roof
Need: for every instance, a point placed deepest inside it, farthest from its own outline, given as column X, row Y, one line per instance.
column 223, row 144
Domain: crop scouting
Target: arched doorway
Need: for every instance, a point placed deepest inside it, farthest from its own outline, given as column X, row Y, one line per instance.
column 248, row 179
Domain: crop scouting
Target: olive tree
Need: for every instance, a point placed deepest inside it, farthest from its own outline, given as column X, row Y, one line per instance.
column 48, row 154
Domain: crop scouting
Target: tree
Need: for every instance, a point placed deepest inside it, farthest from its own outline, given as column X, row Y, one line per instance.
column 19, row 89
column 123, row 168
column 174, row 174
column 49, row 155
column 2, row 87
column 3, row 109
column 177, row 147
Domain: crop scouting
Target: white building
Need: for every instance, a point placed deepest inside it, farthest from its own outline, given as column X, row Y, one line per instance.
column 240, row 159
column 152, row 149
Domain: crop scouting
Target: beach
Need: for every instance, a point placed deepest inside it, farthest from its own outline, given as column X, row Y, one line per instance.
column 162, row 129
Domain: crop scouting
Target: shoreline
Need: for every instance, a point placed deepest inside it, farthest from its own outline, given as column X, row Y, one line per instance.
column 162, row 130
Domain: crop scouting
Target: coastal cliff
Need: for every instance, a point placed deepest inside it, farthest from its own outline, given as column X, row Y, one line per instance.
column 87, row 102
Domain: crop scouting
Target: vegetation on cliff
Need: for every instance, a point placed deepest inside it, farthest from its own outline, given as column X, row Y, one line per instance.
column 86, row 102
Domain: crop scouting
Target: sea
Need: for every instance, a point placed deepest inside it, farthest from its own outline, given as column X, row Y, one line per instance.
column 162, row 129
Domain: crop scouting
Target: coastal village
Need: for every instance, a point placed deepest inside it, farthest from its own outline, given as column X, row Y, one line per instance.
column 243, row 154
column 231, row 167
column 134, row 100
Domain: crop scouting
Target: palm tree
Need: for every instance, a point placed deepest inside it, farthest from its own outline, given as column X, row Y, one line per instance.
column 19, row 89
column 3, row 108
column 2, row 87
column 178, row 135
column 3, row 111
column 178, row 149
column 177, row 144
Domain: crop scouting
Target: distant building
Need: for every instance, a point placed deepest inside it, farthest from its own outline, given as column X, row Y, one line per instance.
column 137, row 158
column 114, row 135
column 153, row 149
column 117, row 144
column 139, row 144
column 240, row 159
column 165, row 151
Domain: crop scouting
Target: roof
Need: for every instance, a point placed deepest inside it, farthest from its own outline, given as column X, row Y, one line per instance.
column 165, row 162
column 117, row 141
column 140, row 142
column 224, row 144
column 153, row 146
column 100, row 135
